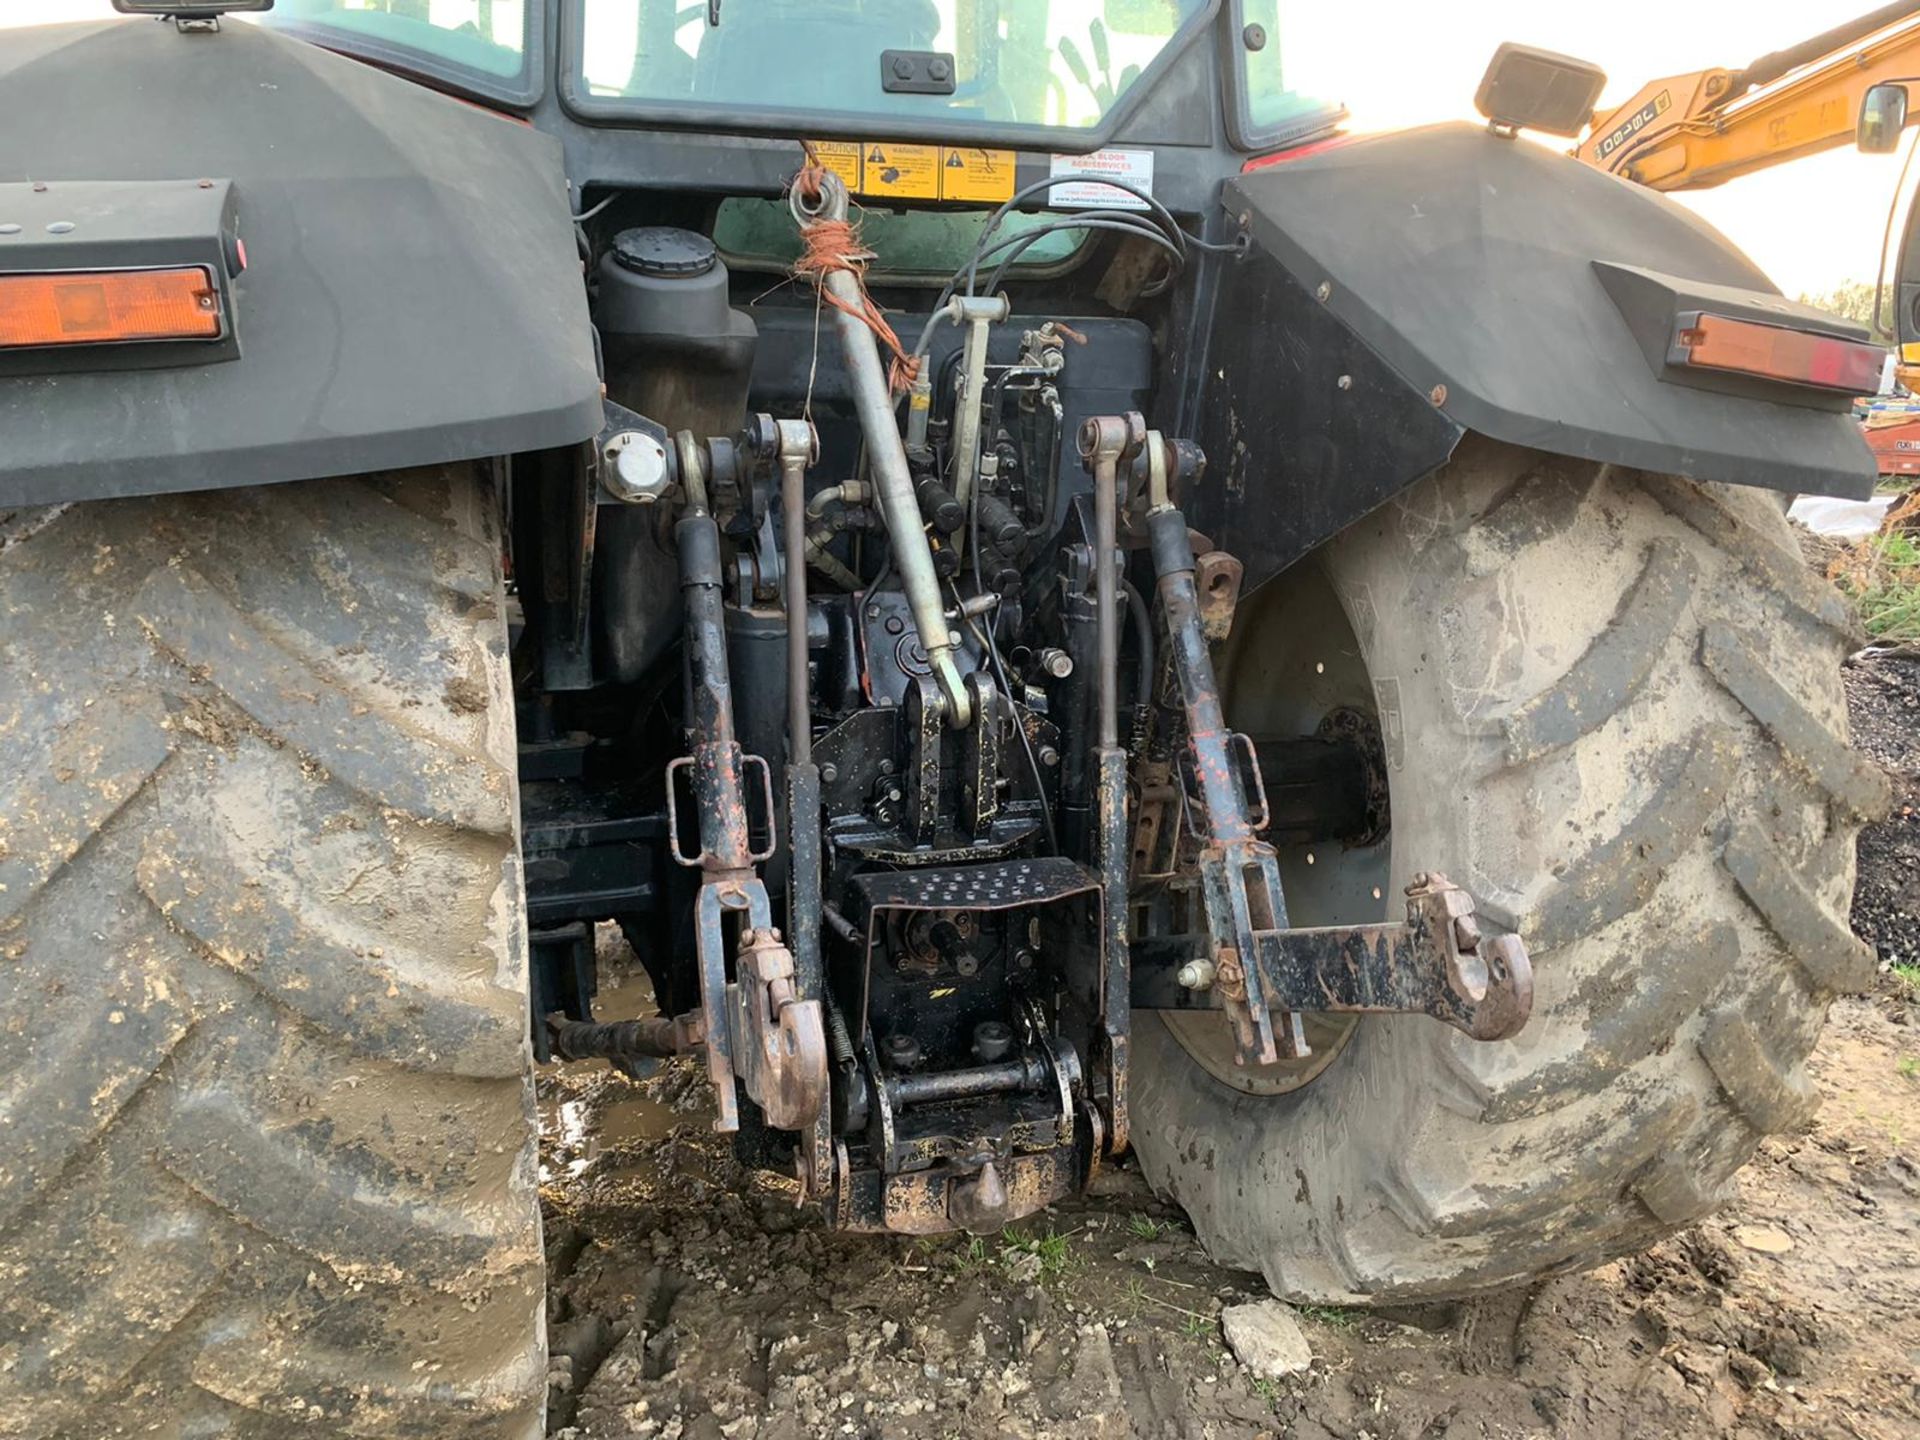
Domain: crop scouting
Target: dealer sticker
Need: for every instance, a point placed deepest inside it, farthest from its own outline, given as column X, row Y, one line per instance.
column 1134, row 167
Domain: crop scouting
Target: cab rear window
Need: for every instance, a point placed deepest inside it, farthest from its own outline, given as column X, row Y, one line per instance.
column 488, row 39
column 910, row 246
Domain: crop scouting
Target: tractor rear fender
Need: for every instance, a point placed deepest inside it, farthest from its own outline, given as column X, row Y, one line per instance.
column 1405, row 289
column 412, row 290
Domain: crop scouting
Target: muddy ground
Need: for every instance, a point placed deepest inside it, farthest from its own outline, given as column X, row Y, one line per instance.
column 690, row 1300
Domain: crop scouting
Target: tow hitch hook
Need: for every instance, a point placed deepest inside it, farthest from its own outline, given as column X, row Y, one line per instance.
column 1437, row 963
column 1260, row 971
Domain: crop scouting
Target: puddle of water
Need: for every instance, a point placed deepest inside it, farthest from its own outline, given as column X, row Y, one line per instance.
column 582, row 1130
column 591, row 1109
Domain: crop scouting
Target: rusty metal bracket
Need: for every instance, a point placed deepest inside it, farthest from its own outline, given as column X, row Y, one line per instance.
column 1155, row 789
column 759, row 1029
column 1239, row 874
column 1437, row 963
column 1217, row 577
column 736, row 764
column 1108, row 442
column 780, row 1040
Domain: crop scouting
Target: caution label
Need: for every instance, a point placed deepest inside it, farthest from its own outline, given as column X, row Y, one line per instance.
column 905, row 172
column 970, row 174
column 883, row 168
column 843, row 159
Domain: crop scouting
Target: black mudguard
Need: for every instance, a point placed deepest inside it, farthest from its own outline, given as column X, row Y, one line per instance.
column 412, row 294
column 1405, row 289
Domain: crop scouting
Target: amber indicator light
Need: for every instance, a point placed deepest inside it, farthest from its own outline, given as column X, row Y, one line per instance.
column 1848, row 367
column 88, row 307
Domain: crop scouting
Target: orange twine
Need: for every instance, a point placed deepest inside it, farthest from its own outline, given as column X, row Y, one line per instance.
column 835, row 245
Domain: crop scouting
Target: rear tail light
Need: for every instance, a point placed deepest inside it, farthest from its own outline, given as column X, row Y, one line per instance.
column 91, row 307
column 1775, row 352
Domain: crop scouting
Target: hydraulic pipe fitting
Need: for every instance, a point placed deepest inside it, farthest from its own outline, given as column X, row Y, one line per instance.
column 979, row 312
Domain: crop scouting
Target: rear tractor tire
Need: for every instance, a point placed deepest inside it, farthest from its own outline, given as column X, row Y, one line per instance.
column 1611, row 710
column 266, row 1129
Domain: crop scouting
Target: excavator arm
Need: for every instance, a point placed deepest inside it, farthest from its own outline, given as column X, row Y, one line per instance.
column 1690, row 132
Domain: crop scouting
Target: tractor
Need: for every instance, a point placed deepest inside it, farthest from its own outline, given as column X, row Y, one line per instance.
column 1065, row 604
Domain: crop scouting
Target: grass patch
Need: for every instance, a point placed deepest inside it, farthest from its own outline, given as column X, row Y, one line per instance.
column 1906, row 979
column 1882, row 577
column 1332, row 1316
column 976, row 1255
column 1145, row 1227
column 1016, row 1256
column 1909, row 1067
column 1050, row 1250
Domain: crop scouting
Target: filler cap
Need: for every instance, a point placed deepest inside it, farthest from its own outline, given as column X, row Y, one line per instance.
column 664, row 252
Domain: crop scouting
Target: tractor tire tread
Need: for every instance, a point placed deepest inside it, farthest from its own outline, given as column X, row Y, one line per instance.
column 1605, row 768
column 262, row 971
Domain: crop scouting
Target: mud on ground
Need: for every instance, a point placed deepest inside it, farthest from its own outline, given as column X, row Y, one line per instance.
column 692, row 1300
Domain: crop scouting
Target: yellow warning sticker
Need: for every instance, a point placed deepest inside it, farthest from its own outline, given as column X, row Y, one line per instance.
column 920, row 172
column 842, row 157
column 907, row 172
column 969, row 174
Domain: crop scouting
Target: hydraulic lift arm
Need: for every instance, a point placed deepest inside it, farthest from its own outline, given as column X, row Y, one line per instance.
column 1690, row 132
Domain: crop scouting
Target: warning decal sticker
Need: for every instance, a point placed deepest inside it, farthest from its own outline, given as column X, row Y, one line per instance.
column 968, row 174
column 842, row 157
column 886, row 170
column 907, row 172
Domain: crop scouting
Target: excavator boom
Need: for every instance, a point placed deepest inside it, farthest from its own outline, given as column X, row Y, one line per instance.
column 1690, row 132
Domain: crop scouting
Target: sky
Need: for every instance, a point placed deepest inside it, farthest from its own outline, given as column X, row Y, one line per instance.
column 1812, row 225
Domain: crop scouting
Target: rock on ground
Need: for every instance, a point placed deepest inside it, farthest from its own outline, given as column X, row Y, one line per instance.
column 1266, row 1338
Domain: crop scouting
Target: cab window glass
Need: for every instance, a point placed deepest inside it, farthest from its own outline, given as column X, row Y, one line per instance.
column 1281, row 76
column 485, row 35
column 1034, row 62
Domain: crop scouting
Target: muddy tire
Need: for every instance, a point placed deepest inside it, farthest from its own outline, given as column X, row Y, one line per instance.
column 1612, row 711
column 266, row 1139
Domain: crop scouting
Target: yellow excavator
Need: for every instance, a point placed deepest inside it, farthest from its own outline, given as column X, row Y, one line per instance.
column 1690, row 132
column 1850, row 83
